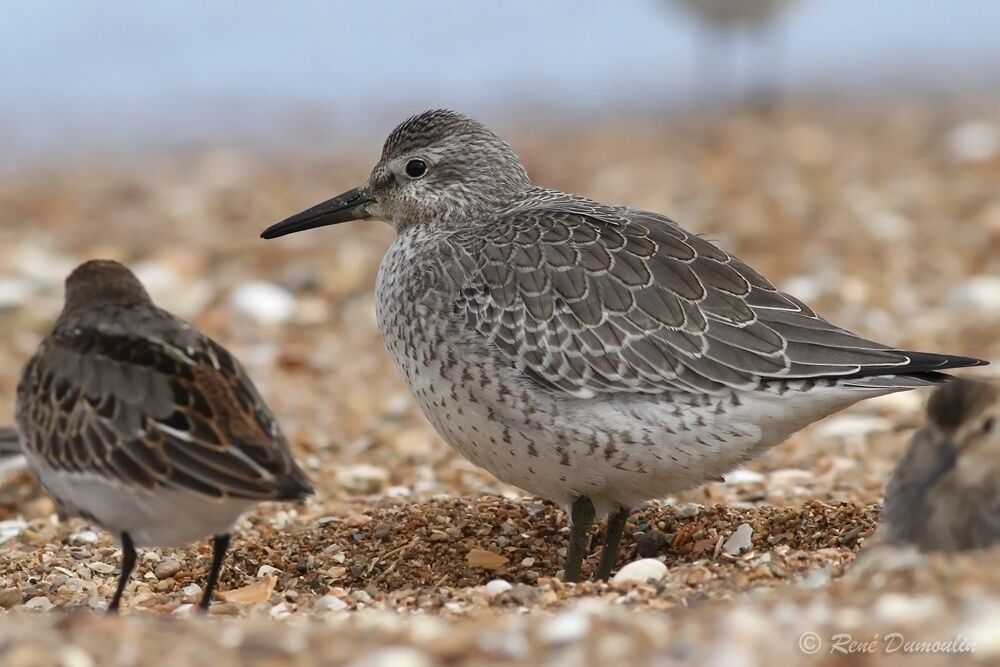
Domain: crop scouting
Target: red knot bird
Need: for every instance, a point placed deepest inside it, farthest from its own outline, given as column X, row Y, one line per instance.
column 135, row 421
column 595, row 355
column 945, row 492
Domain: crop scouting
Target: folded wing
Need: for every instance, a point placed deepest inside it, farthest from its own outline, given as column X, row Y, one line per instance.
column 589, row 299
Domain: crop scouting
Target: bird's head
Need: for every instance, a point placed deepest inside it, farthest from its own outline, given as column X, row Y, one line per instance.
column 435, row 167
column 965, row 417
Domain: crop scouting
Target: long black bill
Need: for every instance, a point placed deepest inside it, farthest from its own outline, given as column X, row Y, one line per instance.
column 944, row 460
column 352, row 205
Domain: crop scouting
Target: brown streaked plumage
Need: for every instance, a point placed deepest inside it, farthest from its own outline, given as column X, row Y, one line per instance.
column 945, row 492
column 592, row 354
column 136, row 421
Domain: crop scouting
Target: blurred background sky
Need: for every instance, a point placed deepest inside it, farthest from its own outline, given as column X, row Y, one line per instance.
column 81, row 75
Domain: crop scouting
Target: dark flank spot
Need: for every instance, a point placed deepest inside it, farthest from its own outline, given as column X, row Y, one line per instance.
column 700, row 422
column 532, row 450
column 610, row 451
column 808, row 385
column 782, row 388
column 734, row 400
column 563, row 456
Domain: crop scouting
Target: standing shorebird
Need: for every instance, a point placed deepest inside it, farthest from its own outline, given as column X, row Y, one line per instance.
column 132, row 419
column 945, row 492
column 595, row 355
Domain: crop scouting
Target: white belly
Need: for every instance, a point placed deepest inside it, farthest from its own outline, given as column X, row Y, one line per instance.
column 162, row 518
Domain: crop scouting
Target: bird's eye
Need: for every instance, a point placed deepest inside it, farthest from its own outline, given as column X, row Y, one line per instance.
column 989, row 424
column 416, row 168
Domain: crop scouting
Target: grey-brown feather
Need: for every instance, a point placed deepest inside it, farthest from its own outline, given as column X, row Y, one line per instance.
column 174, row 410
column 590, row 298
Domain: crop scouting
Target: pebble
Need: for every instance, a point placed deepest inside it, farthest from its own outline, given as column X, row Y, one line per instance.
column 10, row 597
column 167, row 568
column 266, row 569
column 898, row 608
column 263, row 302
column 740, row 540
column 687, row 510
column 101, row 567
column 191, row 590
column 394, row 657
column 185, row 297
column 11, row 528
column 974, row 141
column 744, row 476
column 39, row 603
column 852, row 426
column 568, row 627
column 14, row 293
column 497, row 587
column 74, row 656
column 84, row 537
column 640, row 571
column 330, row 603
column 651, row 543
column 362, row 478
column 817, row 578
column 978, row 293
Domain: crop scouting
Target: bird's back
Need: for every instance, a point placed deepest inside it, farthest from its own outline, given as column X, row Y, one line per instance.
column 138, row 396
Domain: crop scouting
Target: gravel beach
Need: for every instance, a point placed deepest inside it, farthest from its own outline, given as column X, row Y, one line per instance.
column 885, row 218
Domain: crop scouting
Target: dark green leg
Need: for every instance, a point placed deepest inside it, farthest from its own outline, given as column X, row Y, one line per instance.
column 612, row 538
column 582, row 518
column 219, row 547
column 128, row 564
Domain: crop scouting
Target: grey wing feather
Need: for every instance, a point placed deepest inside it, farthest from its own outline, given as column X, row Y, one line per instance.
column 589, row 299
column 148, row 413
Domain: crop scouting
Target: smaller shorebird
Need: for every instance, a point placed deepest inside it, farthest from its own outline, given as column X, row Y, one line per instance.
column 945, row 492
column 132, row 419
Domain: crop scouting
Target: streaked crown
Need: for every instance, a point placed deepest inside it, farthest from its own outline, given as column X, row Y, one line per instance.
column 440, row 164
column 103, row 281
